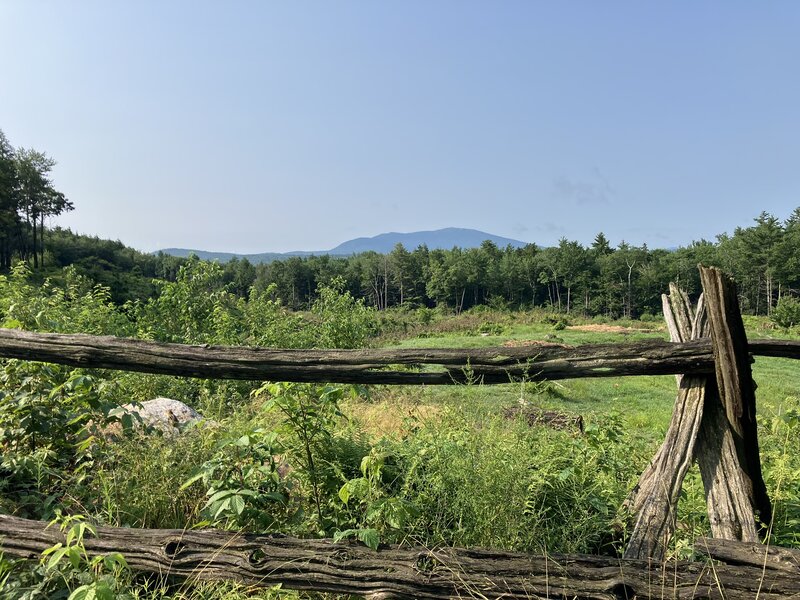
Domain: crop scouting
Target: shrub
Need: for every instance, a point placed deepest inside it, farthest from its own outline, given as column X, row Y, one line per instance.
column 787, row 312
column 48, row 418
column 344, row 322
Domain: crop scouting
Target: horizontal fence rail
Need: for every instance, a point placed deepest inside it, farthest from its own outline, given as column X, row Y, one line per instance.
column 416, row 572
column 456, row 366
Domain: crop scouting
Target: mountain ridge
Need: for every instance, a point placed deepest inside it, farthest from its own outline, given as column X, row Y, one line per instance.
column 446, row 238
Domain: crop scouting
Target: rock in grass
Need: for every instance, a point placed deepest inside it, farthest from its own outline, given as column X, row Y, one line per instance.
column 166, row 415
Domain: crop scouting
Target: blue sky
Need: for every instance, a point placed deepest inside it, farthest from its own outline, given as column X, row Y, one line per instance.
column 275, row 126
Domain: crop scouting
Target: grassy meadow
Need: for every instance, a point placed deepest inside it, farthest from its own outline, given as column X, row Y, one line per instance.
column 433, row 465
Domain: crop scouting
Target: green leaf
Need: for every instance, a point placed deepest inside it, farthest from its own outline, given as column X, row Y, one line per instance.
column 56, row 556
column 370, row 537
column 114, row 560
column 355, row 488
column 222, row 507
column 276, row 496
column 80, row 593
column 219, row 496
column 340, row 535
column 237, row 504
column 105, row 591
column 191, row 480
column 74, row 554
column 344, row 493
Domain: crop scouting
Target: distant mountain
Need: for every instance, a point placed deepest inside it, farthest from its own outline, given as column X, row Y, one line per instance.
column 441, row 238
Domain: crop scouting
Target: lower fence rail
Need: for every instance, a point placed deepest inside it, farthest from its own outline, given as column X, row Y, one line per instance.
column 416, row 572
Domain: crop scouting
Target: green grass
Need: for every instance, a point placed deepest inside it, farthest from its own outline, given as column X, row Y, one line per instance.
column 645, row 402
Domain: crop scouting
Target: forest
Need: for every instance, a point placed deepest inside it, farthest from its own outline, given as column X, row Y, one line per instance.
column 622, row 281
column 617, row 282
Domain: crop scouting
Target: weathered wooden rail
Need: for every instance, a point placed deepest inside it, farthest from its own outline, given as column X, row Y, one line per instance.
column 415, row 572
column 482, row 365
column 713, row 423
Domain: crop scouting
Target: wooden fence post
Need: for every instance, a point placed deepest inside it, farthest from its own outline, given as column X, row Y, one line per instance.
column 713, row 422
column 654, row 501
column 735, row 382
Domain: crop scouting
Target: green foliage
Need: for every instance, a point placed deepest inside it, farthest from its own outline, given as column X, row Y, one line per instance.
column 373, row 496
column 284, row 458
column 242, row 481
column 344, row 322
column 787, row 312
column 127, row 273
column 310, row 414
column 75, row 306
column 136, row 480
column 199, row 308
column 569, row 278
column 66, row 570
column 782, row 470
column 184, row 309
column 49, row 416
column 27, row 197
column 520, row 488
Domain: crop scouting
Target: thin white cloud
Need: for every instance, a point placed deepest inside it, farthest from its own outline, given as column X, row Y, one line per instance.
column 596, row 191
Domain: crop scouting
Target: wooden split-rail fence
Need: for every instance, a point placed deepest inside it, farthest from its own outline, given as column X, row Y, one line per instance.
column 713, row 424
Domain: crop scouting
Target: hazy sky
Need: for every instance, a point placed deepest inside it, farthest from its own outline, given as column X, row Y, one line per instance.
column 274, row 126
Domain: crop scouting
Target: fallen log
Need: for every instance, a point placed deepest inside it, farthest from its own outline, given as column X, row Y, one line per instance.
column 403, row 572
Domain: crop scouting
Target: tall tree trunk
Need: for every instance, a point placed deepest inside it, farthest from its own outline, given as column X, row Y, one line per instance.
column 629, row 306
column 35, row 248
column 758, row 294
column 769, row 293
column 41, row 238
column 385, row 281
column 569, row 297
column 558, row 293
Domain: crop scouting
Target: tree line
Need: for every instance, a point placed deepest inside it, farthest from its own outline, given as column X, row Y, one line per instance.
column 598, row 279
column 27, row 198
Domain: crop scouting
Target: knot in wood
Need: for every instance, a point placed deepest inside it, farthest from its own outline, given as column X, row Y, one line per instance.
column 173, row 548
column 426, row 563
column 623, row 591
column 257, row 557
